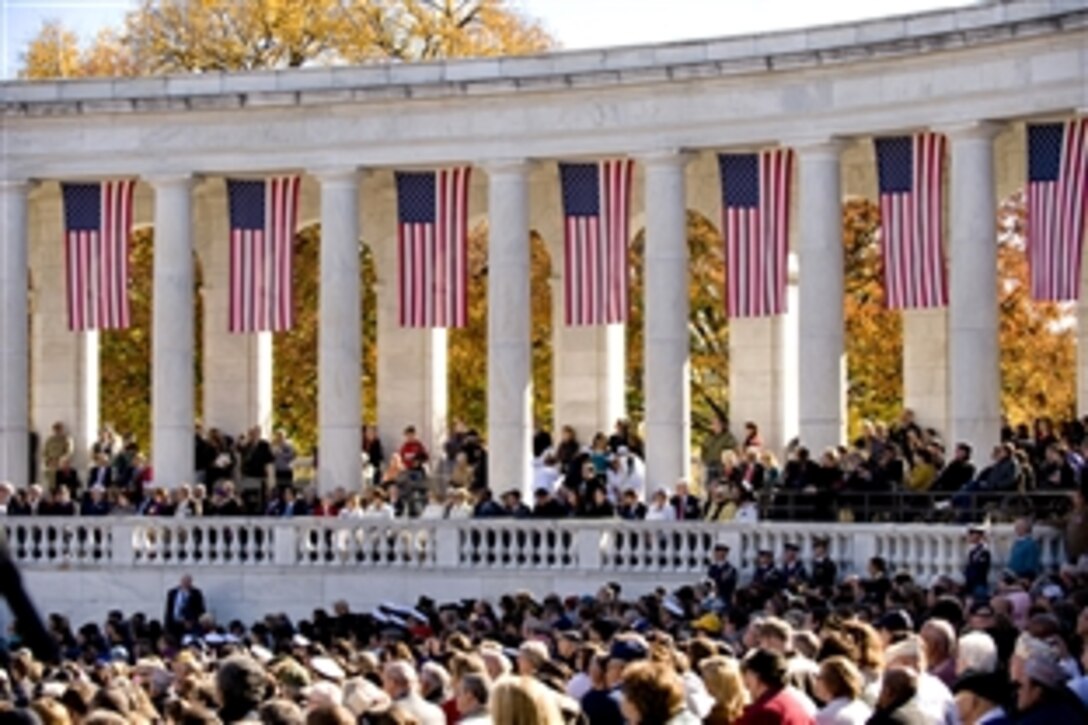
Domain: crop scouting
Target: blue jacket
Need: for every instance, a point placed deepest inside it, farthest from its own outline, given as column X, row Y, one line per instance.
column 1024, row 558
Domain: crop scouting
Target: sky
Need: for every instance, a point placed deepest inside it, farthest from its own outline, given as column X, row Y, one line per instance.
column 575, row 23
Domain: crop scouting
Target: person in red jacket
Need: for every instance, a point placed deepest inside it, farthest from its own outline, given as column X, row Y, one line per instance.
column 412, row 451
column 764, row 674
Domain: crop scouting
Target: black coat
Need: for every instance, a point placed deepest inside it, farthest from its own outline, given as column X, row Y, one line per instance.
column 193, row 609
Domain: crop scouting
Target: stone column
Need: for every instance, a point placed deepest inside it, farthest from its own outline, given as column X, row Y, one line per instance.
column 14, row 383
column 339, row 352
column 763, row 372
column 925, row 367
column 821, row 339
column 974, row 366
column 172, row 332
column 237, row 368
column 668, row 356
column 509, row 364
column 589, row 370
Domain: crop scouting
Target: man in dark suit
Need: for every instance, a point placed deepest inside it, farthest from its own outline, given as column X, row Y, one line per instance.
column 687, row 506
column 184, row 606
column 101, row 473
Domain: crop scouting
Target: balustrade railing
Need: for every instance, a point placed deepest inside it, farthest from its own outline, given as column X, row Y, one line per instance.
column 608, row 546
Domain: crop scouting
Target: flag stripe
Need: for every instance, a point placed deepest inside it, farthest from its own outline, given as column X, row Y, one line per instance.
column 755, row 192
column 911, row 185
column 263, row 218
column 98, row 224
column 432, row 247
column 596, row 229
column 1057, row 201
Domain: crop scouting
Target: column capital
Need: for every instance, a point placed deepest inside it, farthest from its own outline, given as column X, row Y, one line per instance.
column 817, row 146
column 667, row 157
column 507, row 167
column 336, row 175
column 16, row 184
column 170, row 179
column 970, row 130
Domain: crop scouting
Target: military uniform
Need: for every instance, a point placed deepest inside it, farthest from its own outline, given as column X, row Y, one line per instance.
column 976, row 574
column 824, row 573
column 724, row 576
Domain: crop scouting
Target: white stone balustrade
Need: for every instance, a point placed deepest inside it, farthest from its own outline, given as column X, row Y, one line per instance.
column 83, row 567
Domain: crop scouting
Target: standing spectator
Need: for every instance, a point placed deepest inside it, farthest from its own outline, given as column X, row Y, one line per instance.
column 184, row 606
column 714, row 445
column 752, row 439
column 372, row 448
column 413, row 454
column 257, row 467
column 1024, row 555
column 7, row 493
column 57, row 446
column 472, row 697
column 723, row 574
column 283, row 456
column 824, row 571
column 976, row 573
column 792, row 572
column 568, row 449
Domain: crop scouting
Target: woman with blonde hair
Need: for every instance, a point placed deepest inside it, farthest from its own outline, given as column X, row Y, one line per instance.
column 653, row 694
column 723, row 681
column 523, row 701
column 840, row 684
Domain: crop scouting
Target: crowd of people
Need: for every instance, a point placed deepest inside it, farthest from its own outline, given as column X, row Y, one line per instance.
column 873, row 478
column 793, row 644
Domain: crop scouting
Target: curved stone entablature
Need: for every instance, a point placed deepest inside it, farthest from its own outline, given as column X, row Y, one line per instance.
column 998, row 61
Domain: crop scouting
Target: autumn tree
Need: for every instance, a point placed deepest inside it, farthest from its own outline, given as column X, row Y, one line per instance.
column 874, row 334
column 171, row 36
column 1038, row 347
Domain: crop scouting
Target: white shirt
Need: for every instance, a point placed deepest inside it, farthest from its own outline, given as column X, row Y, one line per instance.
column 844, row 711
column 664, row 513
column 544, row 476
column 995, row 714
column 433, row 511
column 579, row 685
column 748, row 513
column 936, row 700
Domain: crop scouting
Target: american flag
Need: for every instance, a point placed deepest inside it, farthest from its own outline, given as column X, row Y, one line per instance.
column 756, row 220
column 1057, row 198
column 596, row 215
column 432, row 247
column 97, row 226
column 912, row 220
column 263, row 215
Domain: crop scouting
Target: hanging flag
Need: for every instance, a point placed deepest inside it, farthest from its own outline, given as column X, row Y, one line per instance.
column 432, row 247
column 596, row 216
column 97, row 227
column 1057, row 199
column 756, row 223
column 912, row 220
column 263, row 215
